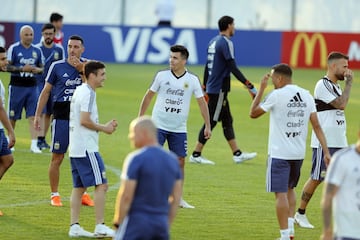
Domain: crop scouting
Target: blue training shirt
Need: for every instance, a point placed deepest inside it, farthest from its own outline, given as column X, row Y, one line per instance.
column 220, row 51
column 19, row 56
column 64, row 78
column 156, row 171
column 55, row 53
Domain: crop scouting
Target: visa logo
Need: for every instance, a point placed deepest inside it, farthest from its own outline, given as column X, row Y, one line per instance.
column 151, row 45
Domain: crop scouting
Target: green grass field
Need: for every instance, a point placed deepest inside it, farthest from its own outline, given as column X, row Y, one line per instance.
column 231, row 201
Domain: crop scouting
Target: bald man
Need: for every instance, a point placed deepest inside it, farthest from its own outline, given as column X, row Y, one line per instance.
column 153, row 172
column 25, row 61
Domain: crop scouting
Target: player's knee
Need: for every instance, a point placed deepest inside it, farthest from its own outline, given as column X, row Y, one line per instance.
column 57, row 159
column 228, row 133
column 8, row 162
column 102, row 187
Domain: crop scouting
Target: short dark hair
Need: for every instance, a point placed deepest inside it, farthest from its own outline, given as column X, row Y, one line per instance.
column 282, row 69
column 224, row 22
column 2, row 50
column 93, row 67
column 181, row 49
column 76, row 37
column 337, row 55
column 47, row 26
column 54, row 17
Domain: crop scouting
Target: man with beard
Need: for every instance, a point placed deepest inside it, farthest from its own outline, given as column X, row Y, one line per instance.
column 52, row 52
column 331, row 102
column 62, row 79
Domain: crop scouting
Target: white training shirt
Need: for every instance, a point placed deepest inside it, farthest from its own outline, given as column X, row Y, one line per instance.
column 82, row 139
column 332, row 121
column 290, row 108
column 2, row 96
column 172, row 104
column 344, row 172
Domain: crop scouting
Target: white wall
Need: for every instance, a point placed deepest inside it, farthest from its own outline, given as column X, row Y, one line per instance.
column 311, row 15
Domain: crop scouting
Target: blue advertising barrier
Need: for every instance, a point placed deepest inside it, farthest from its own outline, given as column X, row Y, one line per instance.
column 150, row 45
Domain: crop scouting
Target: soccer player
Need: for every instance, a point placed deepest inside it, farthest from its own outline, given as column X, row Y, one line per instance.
column 52, row 52
column 87, row 166
column 220, row 63
column 340, row 200
column 150, row 188
column 62, row 78
column 6, row 157
column 25, row 60
column 175, row 87
column 291, row 108
column 56, row 19
column 331, row 102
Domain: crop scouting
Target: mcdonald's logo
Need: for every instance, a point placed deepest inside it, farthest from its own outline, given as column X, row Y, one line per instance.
column 309, row 47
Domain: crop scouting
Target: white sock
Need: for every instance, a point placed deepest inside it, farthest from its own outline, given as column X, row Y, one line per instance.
column 33, row 142
column 284, row 233
column 54, row 194
column 291, row 222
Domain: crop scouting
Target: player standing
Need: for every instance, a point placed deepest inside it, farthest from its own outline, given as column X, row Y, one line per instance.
column 25, row 60
column 331, row 102
column 174, row 88
column 62, row 78
column 52, row 52
column 6, row 157
column 56, row 19
column 220, row 63
column 87, row 165
column 291, row 109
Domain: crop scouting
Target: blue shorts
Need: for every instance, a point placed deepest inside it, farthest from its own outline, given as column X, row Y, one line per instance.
column 22, row 97
column 4, row 149
column 282, row 175
column 60, row 136
column 152, row 227
column 88, row 171
column 177, row 142
column 318, row 169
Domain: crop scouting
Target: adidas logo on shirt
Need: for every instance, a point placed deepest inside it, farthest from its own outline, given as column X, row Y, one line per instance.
column 65, row 75
column 296, row 101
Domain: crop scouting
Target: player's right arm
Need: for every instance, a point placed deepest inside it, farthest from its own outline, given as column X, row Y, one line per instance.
column 124, row 200
column 341, row 101
column 146, row 102
column 42, row 100
column 255, row 109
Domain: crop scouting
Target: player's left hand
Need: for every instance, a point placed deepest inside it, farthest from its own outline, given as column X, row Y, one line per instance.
column 207, row 132
column 251, row 88
column 252, row 91
column 327, row 158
